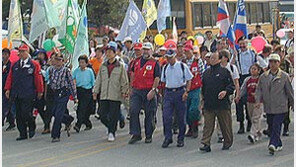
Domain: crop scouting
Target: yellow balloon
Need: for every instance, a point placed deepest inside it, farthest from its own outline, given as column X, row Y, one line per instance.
column 159, row 39
column 190, row 37
column 196, row 42
column 5, row 44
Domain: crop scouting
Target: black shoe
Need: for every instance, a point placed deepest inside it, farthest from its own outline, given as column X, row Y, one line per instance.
column 220, row 139
column 31, row 134
column 10, row 127
column 266, row 132
column 88, row 128
column 45, row 131
column 205, row 148
column 166, row 143
column 21, row 138
column 249, row 126
column 148, row 140
column 68, row 128
column 241, row 129
column 286, row 133
column 76, row 128
column 175, row 131
column 134, row 139
column 251, row 139
column 180, row 143
column 286, row 130
column 122, row 124
column 54, row 140
column 225, row 148
column 128, row 117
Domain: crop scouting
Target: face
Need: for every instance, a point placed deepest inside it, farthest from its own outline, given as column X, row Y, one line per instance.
column 258, row 29
column 99, row 54
column 208, row 60
column 138, row 52
column 290, row 35
column 41, row 56
column 274, row 65
column 82, row 64
column 292, row 57
column 5, row 56
column 209, row 35
column 171, row 60
column 162, row 52
column 243, row 45
column 128, row 44
column 254, row 71
column 91, row 43
column 110, row 54
column 180, row 50
column 223, row 44
column 105, row 42
column 147, row 52
column 58, row 61
column 23, row 54
column 215, row 59
column 224, row 59
column 188, row 54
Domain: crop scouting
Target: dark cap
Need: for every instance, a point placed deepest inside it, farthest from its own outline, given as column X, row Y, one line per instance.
column 242, row 38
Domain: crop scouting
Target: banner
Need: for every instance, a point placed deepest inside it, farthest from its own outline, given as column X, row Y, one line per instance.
column 15, row 24
column 81, row 45
column 133, row 24
column 164, row 11
column 149, row 13
column 240, row 21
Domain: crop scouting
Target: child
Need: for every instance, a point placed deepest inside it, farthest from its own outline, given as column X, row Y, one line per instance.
column 255, row 111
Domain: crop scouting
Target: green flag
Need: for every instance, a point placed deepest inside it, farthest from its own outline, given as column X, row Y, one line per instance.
column 70, row 24
column 81, row 45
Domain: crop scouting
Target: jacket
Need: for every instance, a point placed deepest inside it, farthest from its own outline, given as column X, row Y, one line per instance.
column 112, row 88
column 215, row 80
column 276, row 93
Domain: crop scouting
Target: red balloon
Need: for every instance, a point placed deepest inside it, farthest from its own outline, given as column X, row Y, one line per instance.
column 14, row 56
column 258, row 43
column 170, row 44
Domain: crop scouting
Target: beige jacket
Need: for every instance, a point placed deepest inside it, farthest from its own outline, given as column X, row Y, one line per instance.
column 276, row 93
column 112, row 88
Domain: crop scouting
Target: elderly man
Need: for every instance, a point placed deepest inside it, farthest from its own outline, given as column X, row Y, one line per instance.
column 177, row 78
column 23, row 81
column 276, row 91
column 217, row 86
column 144, row 88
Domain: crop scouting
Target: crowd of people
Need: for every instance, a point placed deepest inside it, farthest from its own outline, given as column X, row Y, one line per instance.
column 190, row 85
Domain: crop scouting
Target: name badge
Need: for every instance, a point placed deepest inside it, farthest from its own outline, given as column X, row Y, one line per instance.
column 30, row 70
column 149, row 67
column 26, row 66
column 194, row 69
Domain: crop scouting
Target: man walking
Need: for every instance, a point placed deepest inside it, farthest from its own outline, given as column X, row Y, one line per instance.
column 217, row 86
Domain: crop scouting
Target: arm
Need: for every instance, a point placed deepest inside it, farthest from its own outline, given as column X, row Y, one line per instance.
column 124, row 81
column 258, row 93
column 97, row 87
column 244, row 88
column 72, row 85
column 229, row 84
column 289, row 91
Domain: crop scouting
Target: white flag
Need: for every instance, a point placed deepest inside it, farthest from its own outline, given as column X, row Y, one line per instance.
column 15, row 24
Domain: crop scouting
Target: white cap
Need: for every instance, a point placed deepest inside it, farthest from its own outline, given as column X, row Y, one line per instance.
column 127, row 39
column 208, row 54
column 163, row 48
column 275, row 57
column 147, row 45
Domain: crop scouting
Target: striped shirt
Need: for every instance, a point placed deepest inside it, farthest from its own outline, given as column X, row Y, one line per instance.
column 201, row 68
column 61, row 77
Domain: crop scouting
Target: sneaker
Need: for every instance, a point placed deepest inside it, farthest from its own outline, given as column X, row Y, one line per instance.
column 271, row 149
column 148, row 140
column 122, row 124
column 175, row 131
column 134, row 139
column 166, row 143
column 220, row 139
column 31, row 134
column 76, row 128
column 54, row 140
column 128, row 117
column 10, row 127
column 111, row 137
column 286, row 133
column 88, row 128
column 279, row 148
column 205, row 148
column 251, row 139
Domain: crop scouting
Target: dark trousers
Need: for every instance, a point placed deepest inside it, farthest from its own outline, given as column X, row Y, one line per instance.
column 275, row 124
column 24, row 115
column 240, row 115
column 109, row 113
column 58, row 111
column 138, row 101
column 8, row 111
column 85, row 106
column 173, row 100
column 45, row 115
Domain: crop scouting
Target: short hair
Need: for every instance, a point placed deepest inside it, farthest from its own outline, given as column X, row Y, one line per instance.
column 267, row 48
column 260, row 69
column 99, row 48
column 83, row 57
column 209, row 32
column 222, row 39
column 258, row 26
column 274, row 41
column 203, row 48
column 183, row 32
column 224, row 53
column 6, row 50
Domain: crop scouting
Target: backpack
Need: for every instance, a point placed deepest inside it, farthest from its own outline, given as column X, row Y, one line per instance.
column 182, row 67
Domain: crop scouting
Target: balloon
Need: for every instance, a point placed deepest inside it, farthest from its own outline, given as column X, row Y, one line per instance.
column 196, row 42
column 5, row 44
column 280, row 33
column 258, row 43
column 14, row 56
column 159, row 39
column 190, row 37
column 200, row 39
column 48, row 44
column 170, row 44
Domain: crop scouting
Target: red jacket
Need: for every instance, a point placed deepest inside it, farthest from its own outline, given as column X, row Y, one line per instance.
column 196, row 81
column 144, row 77
column 38, row 80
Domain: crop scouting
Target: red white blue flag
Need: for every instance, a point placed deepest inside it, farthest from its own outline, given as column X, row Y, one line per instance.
column 240, row 21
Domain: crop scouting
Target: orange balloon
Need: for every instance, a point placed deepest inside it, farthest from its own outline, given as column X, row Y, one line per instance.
column 5, row 44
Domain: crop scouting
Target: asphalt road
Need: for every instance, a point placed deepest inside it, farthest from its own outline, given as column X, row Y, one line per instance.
column 91, row 149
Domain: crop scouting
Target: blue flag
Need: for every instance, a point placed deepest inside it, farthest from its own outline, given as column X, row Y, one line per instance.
column 133, row 24
column 163, row 11
column 240, row 21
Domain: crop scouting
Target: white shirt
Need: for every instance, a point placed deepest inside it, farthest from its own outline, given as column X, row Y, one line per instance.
column 262, row 63
column 234, row 72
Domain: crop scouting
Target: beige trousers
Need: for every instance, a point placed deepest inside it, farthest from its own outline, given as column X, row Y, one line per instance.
column 255, row 116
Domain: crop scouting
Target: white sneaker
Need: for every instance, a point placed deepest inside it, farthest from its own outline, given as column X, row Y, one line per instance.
column 279, row 148
column 111, row 137
column 271, row 149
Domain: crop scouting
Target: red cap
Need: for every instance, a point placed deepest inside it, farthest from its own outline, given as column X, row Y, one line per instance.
column 138, row 46
column 24, row 47
column 188, row 45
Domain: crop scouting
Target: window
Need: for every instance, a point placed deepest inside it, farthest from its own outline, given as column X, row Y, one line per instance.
column 253, row 11
column 260, row 13
column 206, row 13
column 266, row 13
column 214, row 14
column 197, row 15
column 231, row 9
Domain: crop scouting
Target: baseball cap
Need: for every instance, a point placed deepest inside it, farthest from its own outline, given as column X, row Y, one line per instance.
column 188, row 45
column 147, row 45
column 163, row 48
column 208, row 54
column 127, row 39
column 290, row 50
column 138, row 46
column 24, row 47
column 275, row 57
column 112, row 45
column 170, row 53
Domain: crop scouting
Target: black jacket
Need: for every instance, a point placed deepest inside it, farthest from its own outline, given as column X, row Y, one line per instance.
column 215, row 80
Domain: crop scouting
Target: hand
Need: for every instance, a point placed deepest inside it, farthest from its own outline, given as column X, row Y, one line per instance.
column 7, row 93
column 150, row 95
column 95, row 96
column 222, row 95
column 76, row 101
column 184, row 97
column 124, row 95
column 39, row 96
column 237, row 99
